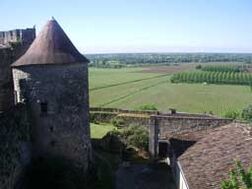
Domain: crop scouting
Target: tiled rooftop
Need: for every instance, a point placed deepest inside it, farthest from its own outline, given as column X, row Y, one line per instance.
column 206, row 163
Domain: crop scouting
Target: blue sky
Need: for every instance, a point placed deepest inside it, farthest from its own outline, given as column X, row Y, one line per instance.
column 103, row 26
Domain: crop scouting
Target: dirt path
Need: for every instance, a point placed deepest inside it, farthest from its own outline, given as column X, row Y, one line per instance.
column 139, row 176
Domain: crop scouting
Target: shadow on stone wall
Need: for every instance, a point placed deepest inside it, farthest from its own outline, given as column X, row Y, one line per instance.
column 55, row 173
column 15, row 146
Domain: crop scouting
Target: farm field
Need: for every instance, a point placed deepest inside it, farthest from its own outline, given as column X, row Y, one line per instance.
column 100, row 130
column 131, row 87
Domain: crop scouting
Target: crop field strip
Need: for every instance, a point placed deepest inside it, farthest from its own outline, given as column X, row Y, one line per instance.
column 127, row 82
column 195, row 98
column 160, row 91
column 132, row 93
column 102, row 77
column 120, row 92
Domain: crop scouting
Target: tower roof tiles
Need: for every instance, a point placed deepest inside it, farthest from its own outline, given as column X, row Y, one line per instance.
column 51, row 46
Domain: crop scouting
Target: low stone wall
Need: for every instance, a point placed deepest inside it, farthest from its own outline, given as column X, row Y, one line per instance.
column 177, row 125
column 128, row 117
column 102, row 117
column 164, row 127
column 137, row 117
column 117, row 110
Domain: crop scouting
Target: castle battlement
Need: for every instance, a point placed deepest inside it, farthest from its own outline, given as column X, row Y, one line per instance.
column 24, row 36
column 13, row 44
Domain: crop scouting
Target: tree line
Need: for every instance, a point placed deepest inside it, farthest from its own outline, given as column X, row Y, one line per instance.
column 240, row 78
column 168, row 58
column 224, row 68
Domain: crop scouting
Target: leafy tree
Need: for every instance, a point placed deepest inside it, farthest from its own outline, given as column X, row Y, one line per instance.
column 239, row 178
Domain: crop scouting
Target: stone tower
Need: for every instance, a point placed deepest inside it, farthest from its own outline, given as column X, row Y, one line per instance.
column 52, row 79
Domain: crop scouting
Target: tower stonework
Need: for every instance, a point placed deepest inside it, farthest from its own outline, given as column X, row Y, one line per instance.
column 52, row 79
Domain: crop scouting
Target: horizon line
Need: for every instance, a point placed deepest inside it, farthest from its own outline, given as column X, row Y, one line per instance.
column 168, row 52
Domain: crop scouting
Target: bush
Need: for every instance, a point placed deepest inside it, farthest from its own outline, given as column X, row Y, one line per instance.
column 198, row 67
column 232, row 114
column 147, row 107
column 133, row 135
column 136, row 135
column 247, row 113
column 112, row 142
column 117, row 122
column 239, row 178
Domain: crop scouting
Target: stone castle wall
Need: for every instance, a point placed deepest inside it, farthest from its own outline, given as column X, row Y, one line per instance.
column 6, row 87
column 62, row 128
column 24, row 36
column 128, row 117
column 8, row 55
column 178, row 125
column 15, row 146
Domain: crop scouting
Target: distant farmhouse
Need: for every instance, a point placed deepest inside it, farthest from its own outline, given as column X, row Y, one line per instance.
column 50, row 82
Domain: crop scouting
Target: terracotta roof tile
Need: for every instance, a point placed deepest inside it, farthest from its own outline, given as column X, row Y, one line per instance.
column 208, row 162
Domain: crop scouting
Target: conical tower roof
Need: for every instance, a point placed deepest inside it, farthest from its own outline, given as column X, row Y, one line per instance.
column 51, row 46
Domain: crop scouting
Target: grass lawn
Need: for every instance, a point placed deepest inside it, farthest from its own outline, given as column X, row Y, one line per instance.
column 155, row 88
column 100, row 130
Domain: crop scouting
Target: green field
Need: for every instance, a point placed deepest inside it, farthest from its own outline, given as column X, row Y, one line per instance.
column 100, row 130
column 129, row 88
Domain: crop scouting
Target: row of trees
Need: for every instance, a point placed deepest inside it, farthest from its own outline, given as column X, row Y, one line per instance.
column 106, row 64
column 239, row 78
column 224, row 68
column 164, row 58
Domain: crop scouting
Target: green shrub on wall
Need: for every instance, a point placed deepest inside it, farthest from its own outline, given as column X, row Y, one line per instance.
column 118, row 122
column 247, row 113
column 147, row 107
column 232, row 114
